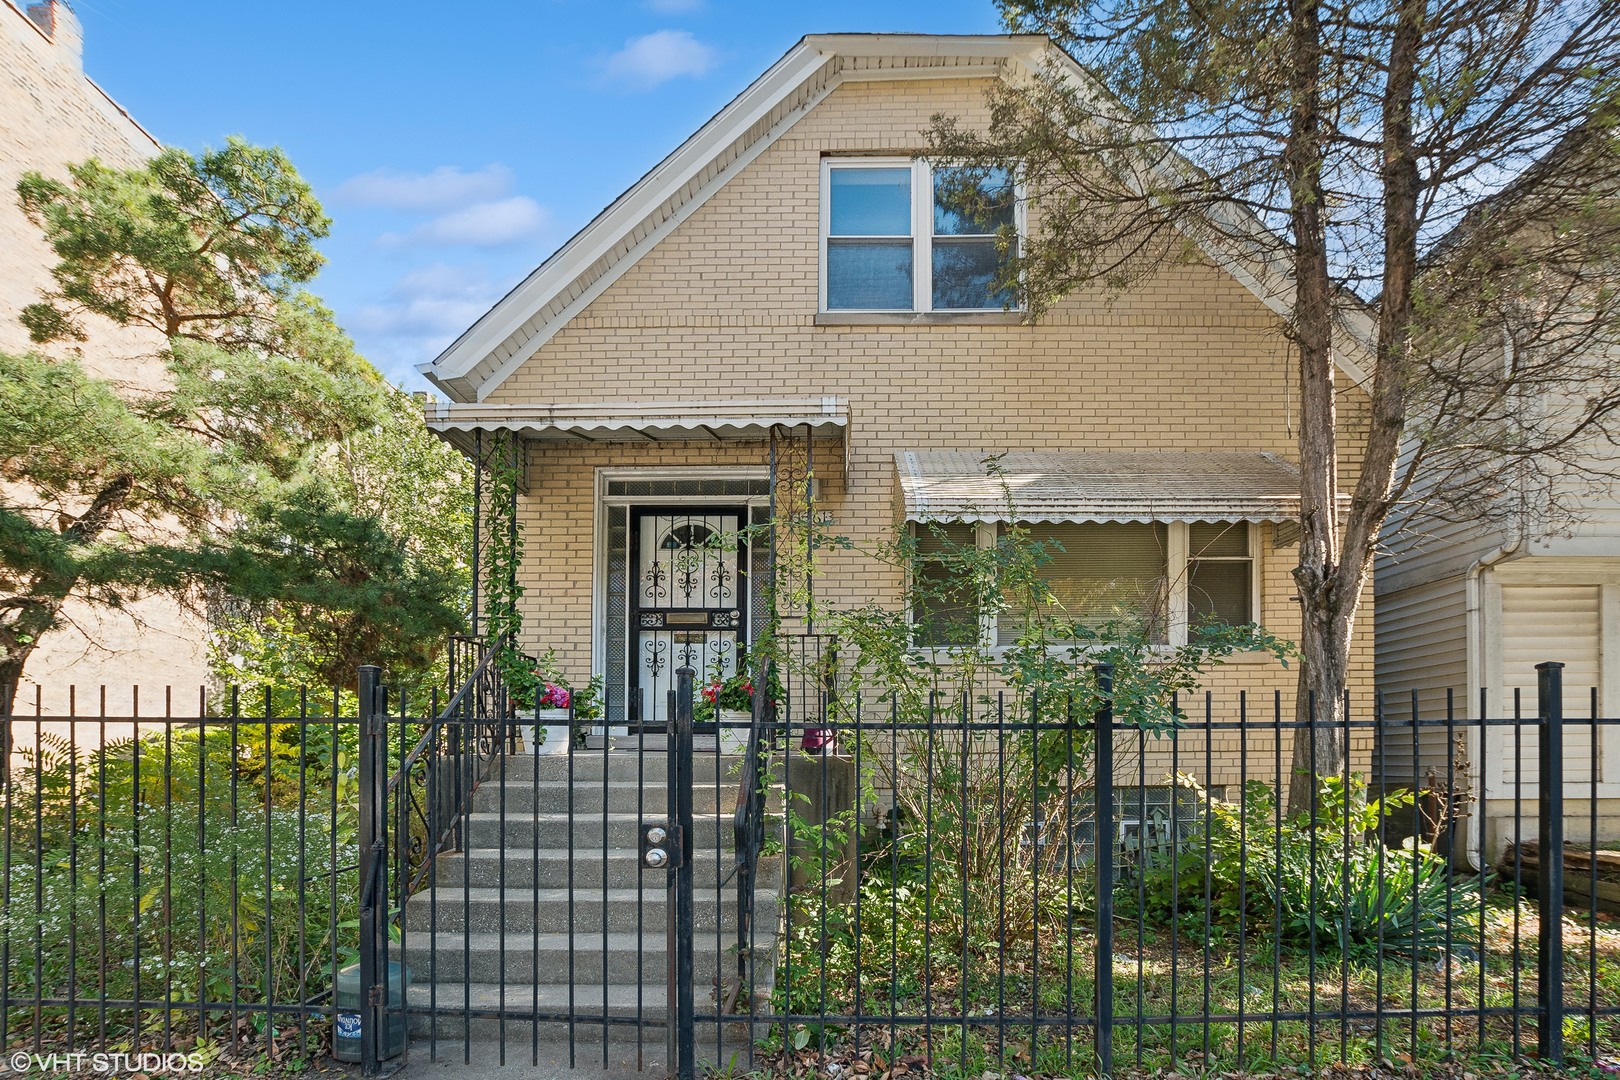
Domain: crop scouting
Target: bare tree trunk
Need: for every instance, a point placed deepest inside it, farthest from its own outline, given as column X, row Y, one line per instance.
column 1334, row 567
column 1323, row 643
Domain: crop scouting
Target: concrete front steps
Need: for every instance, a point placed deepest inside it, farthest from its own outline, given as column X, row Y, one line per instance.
column 547, row 915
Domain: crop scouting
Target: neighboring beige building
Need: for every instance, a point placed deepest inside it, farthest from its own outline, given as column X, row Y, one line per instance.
column 52, row 114
column 787, row 269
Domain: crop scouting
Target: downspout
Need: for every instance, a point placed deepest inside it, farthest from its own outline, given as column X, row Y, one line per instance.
column 1477, row 633
column 1476, row 630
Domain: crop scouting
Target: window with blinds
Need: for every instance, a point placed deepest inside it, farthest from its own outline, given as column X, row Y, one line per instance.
column 1220, row 573
column 1100, row 573
column 944, row 611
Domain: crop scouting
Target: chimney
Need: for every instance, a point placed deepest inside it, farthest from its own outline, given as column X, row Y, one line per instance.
column 57, row 21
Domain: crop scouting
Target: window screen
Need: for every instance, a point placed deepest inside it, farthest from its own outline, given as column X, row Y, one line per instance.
column 1100, row 572
column 1220, row 573
column 869, row 248
column 944, row 611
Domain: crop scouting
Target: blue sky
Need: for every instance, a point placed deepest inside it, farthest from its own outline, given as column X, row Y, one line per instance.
column 455, row 145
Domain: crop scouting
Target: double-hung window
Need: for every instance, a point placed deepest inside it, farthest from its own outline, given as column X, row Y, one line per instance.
column 903, row 235
column 1220, row 573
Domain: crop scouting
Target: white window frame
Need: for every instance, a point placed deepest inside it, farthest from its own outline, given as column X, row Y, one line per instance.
column 922, row 234
column 1178, row 561
column 1252, row 557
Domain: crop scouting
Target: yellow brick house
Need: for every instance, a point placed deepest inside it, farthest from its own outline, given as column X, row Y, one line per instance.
column 785, row 290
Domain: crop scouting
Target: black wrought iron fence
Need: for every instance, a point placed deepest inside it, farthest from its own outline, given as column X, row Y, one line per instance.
column 194, row 874
column 955, row 885
column 1024, row 890
column 178, row 877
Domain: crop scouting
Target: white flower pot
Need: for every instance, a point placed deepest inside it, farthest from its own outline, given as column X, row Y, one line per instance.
column 734, row 739
column 554, row 732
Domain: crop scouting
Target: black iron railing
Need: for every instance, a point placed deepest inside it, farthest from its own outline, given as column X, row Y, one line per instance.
column 749, row 826
column 455, row 747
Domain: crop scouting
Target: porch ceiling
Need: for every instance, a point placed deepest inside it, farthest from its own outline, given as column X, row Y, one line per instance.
column 1098, row 486
column 640, row 422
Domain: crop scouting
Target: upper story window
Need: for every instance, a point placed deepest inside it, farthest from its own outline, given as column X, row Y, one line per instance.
column 903, row 235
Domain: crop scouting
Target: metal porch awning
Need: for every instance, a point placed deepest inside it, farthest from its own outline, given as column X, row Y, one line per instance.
column 642, row 422
column 1052, row 486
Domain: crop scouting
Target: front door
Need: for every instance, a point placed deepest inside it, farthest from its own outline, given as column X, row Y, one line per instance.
column 688, row 602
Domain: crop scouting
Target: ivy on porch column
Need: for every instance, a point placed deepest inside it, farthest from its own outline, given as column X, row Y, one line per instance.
column 501, row 548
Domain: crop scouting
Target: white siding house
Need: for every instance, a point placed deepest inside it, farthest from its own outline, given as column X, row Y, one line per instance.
column 1468, row 610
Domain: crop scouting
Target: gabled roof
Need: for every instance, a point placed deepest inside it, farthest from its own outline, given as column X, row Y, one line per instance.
column 525, row 319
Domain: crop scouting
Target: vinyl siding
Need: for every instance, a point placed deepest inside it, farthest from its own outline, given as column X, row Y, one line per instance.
column 1422, row 647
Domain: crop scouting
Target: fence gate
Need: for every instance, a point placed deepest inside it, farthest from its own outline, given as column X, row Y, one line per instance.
column 551, row 900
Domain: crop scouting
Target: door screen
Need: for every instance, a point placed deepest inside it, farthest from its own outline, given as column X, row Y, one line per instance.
column 688, row 602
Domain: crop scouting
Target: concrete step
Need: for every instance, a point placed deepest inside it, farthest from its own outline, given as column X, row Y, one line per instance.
column 549, row 869
column 592, row 796
column 585, row 999
column 520, row 909
column 626, row 765
column 527, row 1015
column 555, row 958
column 545, row 1055
column 516, row 832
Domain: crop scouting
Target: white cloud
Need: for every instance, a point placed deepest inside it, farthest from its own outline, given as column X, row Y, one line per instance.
column 485, row 225
column 422, row 312
column 656, row 58
column 674, row 7
column 436, row 302
column 444, row 187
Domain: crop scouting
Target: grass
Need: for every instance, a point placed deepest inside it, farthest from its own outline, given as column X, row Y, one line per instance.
column 1165, row 976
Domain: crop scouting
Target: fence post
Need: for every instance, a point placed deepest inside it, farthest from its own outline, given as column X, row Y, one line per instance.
column 1104, row 961
column 373, row 871
column 1550, row 875
column 680, row 796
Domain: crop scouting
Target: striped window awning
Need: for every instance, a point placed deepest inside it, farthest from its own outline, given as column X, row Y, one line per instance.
column 618, row 422
column 1097, row 486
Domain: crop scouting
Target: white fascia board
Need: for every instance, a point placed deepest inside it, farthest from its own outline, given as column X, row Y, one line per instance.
column 626, row 212
column 993, row 47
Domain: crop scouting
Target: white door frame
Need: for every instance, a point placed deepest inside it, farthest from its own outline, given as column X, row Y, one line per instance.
column 599, row 517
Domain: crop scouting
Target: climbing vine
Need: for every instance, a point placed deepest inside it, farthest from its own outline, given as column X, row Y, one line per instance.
column 503, row 556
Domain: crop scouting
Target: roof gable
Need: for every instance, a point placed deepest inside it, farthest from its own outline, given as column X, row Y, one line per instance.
column 523, row 321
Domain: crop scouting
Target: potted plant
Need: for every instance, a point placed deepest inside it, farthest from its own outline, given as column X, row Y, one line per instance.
column 587, row 708
column 729, row 701
column 556, row 708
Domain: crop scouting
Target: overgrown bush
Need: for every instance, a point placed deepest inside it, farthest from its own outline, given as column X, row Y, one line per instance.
column 989, row 745
column 213, row 866
column 1332, row 883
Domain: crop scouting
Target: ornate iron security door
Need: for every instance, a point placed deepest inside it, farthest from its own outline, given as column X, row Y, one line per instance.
column 688, row 603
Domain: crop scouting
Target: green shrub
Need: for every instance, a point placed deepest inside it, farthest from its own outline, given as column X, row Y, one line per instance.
column 1332, row 882
column 145, row 868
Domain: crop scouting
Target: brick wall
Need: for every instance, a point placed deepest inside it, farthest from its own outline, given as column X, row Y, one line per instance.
column 725, row 306
column 53, row 115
